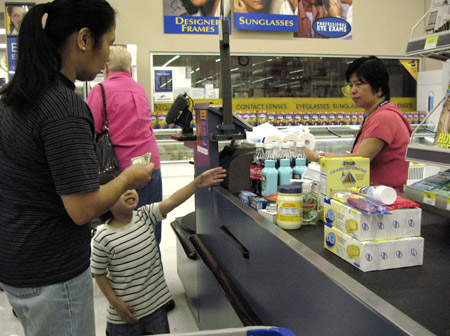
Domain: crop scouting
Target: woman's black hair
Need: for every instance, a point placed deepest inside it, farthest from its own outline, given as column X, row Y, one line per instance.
column 190, row 7
column 105, row 178
column 38, row 57
column 372, row 71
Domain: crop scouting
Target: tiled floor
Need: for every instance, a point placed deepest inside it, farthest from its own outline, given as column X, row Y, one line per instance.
column 180, row 319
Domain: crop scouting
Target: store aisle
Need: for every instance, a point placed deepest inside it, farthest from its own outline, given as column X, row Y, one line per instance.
column 180, row 319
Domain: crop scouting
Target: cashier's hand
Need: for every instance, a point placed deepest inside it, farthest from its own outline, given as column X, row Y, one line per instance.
column 215, row 175
column 126, row 312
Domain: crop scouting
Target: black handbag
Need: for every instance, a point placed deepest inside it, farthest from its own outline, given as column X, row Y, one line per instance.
column 107, row 160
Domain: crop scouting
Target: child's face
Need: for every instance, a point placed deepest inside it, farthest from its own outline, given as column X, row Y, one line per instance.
column 126, row 203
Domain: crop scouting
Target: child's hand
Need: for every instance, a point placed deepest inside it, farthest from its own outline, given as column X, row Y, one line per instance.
column 126, row 312
column 211, row 176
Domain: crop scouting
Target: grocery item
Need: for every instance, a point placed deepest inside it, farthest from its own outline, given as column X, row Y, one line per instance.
column 381, row 193
column 289, row 204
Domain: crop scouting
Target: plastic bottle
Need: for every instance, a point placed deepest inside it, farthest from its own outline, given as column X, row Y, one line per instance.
column 299, row 169
column 285, row 153
column 299, row 150
column 289, row 207
column 269, row 155
column 310, row 204
column 285, row 171
column 255, row 169
column 269, row 179
column 292, row 152
column 276, row 154
column 380, row 193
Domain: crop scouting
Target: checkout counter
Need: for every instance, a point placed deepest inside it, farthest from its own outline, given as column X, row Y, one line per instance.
column 240, row 269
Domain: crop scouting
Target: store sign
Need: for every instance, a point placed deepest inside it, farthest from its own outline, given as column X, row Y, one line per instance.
column 332, row 27
column 183, row 17
column 163, row 80
column 267, row 22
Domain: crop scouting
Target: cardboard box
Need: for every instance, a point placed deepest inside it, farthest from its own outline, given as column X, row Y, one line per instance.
column 361, row 226
column 374, row 255
column 343, row 173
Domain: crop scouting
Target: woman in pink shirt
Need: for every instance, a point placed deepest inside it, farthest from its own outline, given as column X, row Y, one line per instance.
column 385, row 132
column 129, row 121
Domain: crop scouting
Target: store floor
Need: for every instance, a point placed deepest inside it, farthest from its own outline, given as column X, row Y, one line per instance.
column 180, row 318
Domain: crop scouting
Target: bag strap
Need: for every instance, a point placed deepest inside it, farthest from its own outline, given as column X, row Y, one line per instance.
column 104, row 106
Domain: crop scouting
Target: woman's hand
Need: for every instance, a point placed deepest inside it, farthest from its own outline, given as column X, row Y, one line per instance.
column 215, row 175
column 126, row 312
column 239, row 7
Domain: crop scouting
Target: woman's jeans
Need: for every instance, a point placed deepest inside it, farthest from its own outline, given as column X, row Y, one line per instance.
column 65, row 308
column 152, row 193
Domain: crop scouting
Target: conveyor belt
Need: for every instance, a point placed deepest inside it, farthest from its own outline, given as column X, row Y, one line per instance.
column 421, row 292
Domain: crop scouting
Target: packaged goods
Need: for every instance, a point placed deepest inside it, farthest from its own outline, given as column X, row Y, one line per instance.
column 258, row 203
column 298, row 118
column 285, row 172
column 354, row 118
column 269, row 178
column 332, row 118
column 399, row 223
column 272, row 118
column 280, row 118
column 289, row 119
column 262, row 117
column 289, row 207
column 310, row 204
column 154, row 117
column 341, row 174
column 245, row 196
column 340, row 118
column 299, row 169
column 256, row 167
column 380, row 193
column 306, row 117
column 347, row 118
column 374, row 254
column 315, row 118
column 162, row 120
column 324, row 118
column 253, row 118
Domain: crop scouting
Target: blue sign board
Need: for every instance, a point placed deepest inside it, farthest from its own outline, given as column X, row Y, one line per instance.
column 193, row 24
column 267, row 22
column 332, row 27
column 163, row 81
column 12, row 54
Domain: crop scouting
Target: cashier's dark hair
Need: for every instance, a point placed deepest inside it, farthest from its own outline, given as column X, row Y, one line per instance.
column 371, row 70
column 43, row 34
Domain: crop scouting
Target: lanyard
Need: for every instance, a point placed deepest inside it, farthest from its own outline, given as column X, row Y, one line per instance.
column 362, row 124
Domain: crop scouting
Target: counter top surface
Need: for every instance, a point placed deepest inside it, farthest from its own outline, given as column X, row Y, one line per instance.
column 421, row 292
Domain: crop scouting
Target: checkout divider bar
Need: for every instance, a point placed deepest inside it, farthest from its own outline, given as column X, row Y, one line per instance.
column 245, row 313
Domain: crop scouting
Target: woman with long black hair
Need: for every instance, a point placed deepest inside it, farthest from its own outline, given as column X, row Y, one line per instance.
column 49, row 185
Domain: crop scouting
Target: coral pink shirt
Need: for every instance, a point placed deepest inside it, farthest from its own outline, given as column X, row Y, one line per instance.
column 389, row 166
column 130, row 124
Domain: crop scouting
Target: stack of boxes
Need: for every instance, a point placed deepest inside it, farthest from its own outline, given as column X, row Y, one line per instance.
column 368, row 242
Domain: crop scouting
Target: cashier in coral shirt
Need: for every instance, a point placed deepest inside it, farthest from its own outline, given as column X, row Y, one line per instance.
column 385, row 132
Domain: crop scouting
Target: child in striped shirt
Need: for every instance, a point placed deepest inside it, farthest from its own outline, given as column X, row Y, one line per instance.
column 127, row 265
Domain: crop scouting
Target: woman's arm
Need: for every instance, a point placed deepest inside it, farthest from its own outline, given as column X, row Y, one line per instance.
column 369, row 148
column 84, row 207
column 125, row 311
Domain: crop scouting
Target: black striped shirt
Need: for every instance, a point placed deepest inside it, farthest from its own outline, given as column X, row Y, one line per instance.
column 45, row 152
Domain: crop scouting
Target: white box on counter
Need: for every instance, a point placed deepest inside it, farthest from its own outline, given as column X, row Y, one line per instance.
column 400, row 223
column 374, row 254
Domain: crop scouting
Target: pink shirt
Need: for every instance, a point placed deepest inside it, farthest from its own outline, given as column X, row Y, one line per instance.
column 389, row 166
column 130, row 125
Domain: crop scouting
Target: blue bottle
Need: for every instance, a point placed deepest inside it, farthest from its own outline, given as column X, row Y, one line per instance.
column 285, row 172
column 299, row 169
column 269, row 179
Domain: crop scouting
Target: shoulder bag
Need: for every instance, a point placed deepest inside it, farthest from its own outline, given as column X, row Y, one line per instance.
column 104, row 149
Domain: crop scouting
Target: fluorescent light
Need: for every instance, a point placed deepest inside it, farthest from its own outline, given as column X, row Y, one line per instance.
column 171, row 60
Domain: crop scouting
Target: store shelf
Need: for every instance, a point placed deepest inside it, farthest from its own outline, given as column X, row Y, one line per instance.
column 418, row 195
column 428, row 154
column 436, row 46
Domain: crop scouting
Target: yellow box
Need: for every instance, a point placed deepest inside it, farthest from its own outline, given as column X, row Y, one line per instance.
column 343, row 173
column 399, row 224
column 374, row 255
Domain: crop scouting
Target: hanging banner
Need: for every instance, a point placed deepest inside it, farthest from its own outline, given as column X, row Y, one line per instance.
column 275, row 15
column 14, row 14
column 411, row 67
column 185, row 17
column 324, row 19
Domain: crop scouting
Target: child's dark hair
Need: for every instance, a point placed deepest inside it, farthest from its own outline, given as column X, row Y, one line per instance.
column 105, row 178
column 39, row 45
